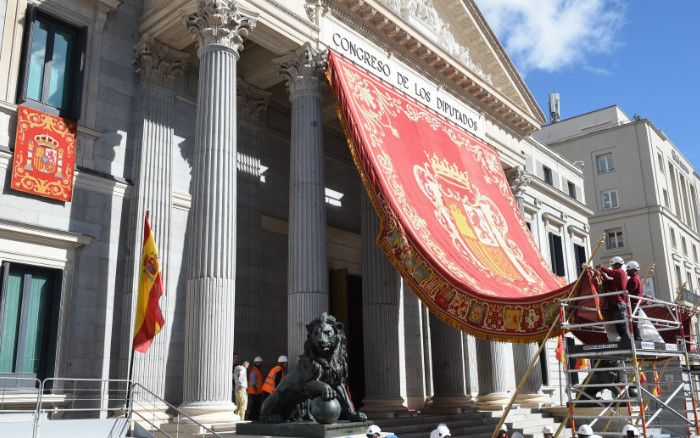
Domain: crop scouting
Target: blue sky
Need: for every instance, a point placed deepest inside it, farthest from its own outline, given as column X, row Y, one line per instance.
column 643, row 55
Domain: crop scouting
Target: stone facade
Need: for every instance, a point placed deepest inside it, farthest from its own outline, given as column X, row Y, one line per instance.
column 190, row 118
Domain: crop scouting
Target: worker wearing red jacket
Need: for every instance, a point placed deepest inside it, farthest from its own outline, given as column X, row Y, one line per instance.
column 614, row 280
column 635, row 287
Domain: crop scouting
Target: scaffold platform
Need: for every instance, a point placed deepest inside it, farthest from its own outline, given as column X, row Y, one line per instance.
column 650, row 383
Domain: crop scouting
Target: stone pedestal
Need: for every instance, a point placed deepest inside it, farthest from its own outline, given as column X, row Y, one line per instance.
column 449, row 381
column 382, row 321
column 307, row 271
column 219, row 29
column 306, row 429
column 495, row 364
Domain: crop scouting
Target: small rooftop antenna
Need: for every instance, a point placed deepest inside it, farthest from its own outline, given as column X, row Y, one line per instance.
column 554, row 107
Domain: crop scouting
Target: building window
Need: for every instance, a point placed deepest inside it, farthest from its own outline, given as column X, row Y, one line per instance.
column 580, row 255
column 684, row 245
column 666, row 199
column 673, row 238
column 695, row 254
column 605, row 163
column 660, row 159
column 572, row 189
column 547, row 173
column 556, row 255
column 613, row 239
column 29, row 302
column 52, row 65
column 609, row 198
column 529, row 226
column 689, row 280
column 679, row 278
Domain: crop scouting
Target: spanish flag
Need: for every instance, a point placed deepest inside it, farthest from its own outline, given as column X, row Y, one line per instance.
column 149, row 319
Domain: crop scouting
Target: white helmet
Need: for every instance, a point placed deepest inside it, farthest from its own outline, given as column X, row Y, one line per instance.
column 547, row 430
column 585, row 429
column 615, row 260
column 257, row 359
column 504, row 428
column 441, row 431
column 282, row 359
column 629, row 427
column 633, row 265
column 373, row 429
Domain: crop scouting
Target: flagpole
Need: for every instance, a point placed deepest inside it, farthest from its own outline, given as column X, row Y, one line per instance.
column 132, row 352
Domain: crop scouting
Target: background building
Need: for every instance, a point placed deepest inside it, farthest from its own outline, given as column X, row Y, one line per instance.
column 133, row 75
column 643, row 190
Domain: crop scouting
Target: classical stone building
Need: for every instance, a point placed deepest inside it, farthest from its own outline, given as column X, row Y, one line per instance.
column 643, row 190
column 215, row 116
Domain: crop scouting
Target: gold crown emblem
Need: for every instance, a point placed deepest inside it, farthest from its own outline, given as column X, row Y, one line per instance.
column 449, row 172
column 46, row 141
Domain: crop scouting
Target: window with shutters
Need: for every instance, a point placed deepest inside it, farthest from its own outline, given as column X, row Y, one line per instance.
column 613, row 239
column 52, row 65
column 556, row 254
column 605, row 163
column 29, row 302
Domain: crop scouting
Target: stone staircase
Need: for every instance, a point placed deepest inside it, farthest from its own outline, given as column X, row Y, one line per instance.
column 473, row 424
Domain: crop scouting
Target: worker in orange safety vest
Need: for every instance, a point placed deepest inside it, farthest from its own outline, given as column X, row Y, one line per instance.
column 255, row 384
column 275, row 376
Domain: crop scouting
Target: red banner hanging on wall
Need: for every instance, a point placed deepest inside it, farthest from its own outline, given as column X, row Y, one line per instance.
column 449, row 222
column 44, row 155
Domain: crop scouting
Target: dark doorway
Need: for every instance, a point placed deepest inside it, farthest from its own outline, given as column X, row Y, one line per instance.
column 345, row 298
column 580, row 254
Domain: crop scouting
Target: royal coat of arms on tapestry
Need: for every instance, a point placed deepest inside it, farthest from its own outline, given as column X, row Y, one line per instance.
column 44, row 155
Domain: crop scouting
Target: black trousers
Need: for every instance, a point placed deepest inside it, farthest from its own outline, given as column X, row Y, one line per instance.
column 618, row 311
column 254, row 405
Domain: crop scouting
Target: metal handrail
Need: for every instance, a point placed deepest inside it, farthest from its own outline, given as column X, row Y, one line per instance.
column 171, row 407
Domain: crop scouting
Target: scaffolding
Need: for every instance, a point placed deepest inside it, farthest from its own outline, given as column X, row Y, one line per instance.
column 651, row 385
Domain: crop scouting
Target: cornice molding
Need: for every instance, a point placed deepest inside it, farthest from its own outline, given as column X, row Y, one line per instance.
column 42, row 235
column 379, row 23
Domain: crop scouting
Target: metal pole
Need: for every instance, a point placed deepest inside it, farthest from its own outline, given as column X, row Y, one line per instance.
column 536, row 356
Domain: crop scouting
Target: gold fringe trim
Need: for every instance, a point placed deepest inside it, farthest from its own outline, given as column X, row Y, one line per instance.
column 415, row 287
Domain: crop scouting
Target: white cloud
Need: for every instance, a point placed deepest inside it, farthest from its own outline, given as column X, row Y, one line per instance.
column 554, row 34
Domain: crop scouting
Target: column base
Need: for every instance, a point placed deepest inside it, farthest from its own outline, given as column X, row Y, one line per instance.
column 449, row 405
column 209, row 414
column 377, row 408
column 532, row 400
column 495, row 401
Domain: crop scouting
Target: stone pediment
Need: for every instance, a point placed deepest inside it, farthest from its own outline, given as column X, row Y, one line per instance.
column 458, row 27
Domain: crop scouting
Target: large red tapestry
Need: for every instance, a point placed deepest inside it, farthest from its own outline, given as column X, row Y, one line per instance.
column 450, row 224
column 44, row 155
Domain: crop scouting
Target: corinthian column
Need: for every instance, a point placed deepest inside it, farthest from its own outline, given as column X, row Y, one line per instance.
column 449, row 380
column 307, row 272
column 157, row 66
column 219, row 29
column 252, row 104
column 382, row 324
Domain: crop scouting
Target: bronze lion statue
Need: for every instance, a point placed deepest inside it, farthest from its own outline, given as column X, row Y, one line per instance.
column 321, row 372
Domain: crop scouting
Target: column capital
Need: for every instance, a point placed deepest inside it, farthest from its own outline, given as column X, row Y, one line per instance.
column 303, row 68
column 220, row 22
column 156, row 63
column 252, row 102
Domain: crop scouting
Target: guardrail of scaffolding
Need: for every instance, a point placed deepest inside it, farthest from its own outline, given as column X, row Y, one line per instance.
column 630, row 389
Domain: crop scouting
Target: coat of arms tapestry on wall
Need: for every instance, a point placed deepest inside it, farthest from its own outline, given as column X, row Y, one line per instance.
column 44, row 155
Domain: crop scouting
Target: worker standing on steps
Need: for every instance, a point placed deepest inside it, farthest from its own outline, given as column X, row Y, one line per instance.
column 274, row 377
column 240, row 384
column 548, row 432
column 441, row 431
column 255, row 383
